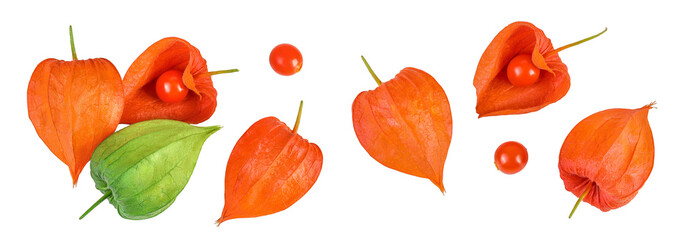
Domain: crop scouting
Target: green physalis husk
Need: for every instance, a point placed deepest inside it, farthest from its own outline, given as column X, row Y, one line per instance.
column 142, row 168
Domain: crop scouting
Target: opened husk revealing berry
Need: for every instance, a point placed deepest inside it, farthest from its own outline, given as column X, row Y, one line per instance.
column 520, row 72
column 144, row 101
column 142, row 168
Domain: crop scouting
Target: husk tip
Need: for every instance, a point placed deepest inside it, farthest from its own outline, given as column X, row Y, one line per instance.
column 651, row 105
column 222, row 220
column 440, row 185
column 213, row 129
column 74, row 178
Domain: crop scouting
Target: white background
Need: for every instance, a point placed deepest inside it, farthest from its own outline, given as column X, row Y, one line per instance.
column 355, row 197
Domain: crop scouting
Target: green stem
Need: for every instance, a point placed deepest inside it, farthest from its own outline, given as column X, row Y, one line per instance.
column 73, row 46
column 106, row 195
column 217, row 72
column 574, row 44
column 377, row 80
column 297, row 121
column 583, row 195
column 222, row 71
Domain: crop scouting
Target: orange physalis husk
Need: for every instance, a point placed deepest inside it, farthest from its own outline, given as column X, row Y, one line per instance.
column 607, row 157
column 270, row 168
column 141, row 102
column 497, row 96
column 405, row 124
column 74, row 105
